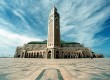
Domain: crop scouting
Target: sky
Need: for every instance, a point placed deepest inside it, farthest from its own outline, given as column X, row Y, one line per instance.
column 83, row 21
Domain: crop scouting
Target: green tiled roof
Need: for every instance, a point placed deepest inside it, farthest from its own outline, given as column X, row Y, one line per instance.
column 45, row 42
column 69, row 43
column 37, row 42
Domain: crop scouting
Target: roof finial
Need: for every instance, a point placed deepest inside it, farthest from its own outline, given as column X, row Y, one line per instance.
column 54, row 8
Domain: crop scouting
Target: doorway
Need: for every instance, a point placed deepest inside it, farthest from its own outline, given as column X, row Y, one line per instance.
column 49, row 55
column 57, row 54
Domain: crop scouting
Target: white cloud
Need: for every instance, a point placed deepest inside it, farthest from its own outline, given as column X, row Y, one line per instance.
column 14, row 39
column 83, row 20
column 19, row 13
column 9, row 41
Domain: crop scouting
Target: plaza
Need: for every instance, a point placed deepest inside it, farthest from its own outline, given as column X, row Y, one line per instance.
column 54, row 69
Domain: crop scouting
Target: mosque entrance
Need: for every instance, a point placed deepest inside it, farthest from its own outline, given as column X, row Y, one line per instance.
column 18, row 56
column 49, row 55
column 57, row 54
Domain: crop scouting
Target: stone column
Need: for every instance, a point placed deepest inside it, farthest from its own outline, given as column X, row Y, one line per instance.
column 46, row 55
column 52, row 53
column 81, row 54
column 21, row 55
column 24, row 55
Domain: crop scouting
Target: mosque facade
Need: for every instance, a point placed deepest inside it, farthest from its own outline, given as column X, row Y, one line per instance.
column 54, row 47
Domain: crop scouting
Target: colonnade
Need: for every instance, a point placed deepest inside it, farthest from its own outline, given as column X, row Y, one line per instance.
column 57, row 54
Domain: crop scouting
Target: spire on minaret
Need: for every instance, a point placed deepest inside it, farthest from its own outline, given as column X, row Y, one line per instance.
column 54, row 8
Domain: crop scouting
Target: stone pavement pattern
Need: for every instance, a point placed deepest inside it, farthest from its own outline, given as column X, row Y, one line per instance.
column 54, row 69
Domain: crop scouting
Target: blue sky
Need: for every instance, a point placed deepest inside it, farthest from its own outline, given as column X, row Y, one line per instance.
column 84, row 21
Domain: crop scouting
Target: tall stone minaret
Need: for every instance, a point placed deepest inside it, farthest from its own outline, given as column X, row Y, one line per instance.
column 53, row 40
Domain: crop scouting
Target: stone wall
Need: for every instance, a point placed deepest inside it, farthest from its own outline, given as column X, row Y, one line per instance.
column 66, row 51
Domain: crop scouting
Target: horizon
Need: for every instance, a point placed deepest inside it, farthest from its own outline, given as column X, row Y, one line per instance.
column 85, row 22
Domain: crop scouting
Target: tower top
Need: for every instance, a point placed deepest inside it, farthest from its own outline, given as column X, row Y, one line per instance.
column 54, row 8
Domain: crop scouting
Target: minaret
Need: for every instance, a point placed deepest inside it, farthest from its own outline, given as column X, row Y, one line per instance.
column 53, row 41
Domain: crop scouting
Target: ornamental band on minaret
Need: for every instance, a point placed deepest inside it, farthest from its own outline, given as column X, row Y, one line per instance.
column 53, row 47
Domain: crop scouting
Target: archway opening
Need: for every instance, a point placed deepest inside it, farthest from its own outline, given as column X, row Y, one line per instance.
column 22, row 55
column 40, row 55
column 65, row 55
column 37, row 55
column 18, row 56
column 49, row 55
column 29, row 55
column 26, row 55
column 57, row 54
column 68, row 55
column 44, row 55
column 34, row 54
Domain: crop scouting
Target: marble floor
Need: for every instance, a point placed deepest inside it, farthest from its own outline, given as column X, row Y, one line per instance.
column 54, row 69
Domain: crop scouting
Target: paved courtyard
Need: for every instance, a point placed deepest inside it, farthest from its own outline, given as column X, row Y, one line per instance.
column 54, row 69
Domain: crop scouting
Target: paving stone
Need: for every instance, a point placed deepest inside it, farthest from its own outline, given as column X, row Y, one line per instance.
column 60, row 69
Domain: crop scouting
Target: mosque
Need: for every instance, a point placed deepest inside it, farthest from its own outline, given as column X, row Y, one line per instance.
column 54, row 47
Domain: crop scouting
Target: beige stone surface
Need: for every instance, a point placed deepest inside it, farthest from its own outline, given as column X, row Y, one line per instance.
column 71, row 69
